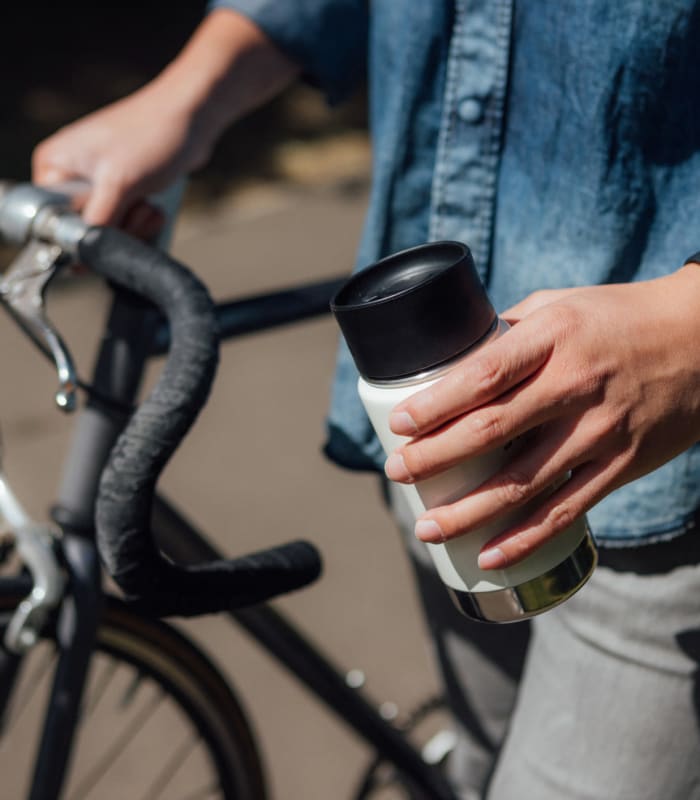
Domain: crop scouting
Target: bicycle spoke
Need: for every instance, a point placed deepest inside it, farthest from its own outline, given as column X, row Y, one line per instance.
column 131, row 690
column 139, row 734
column 99, row 690
column 170, row 768
column 113, row 752
column 205, row 793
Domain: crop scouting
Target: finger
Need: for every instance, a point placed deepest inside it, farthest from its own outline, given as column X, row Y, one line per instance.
column 108, row 201
column 50, row 165
column 143, row 221
column 552, row 453
column 153, row 226
column 587, row 486
column 44, row 170
column 50, row 176
column 489, row 427
column 486, row 375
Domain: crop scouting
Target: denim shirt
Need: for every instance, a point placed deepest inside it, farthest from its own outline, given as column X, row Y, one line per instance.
column 559, row 139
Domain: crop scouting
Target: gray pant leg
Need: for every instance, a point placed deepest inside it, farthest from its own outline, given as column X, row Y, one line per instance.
column 480, row 666
column 609, row 705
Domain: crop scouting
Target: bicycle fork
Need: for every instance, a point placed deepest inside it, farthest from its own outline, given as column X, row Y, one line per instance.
column 76, row 627
column 76, row 623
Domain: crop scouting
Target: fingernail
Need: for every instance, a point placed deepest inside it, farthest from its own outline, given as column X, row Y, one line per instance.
column 427, row 530
column 492, row 559
column 395, row 469
column 401, row 422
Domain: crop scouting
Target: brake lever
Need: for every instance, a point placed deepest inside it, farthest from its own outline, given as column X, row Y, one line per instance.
column 22, row 290
column 41, row 220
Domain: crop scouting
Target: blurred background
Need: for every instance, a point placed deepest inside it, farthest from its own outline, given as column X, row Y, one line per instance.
column 61, row 61
column 282, row 201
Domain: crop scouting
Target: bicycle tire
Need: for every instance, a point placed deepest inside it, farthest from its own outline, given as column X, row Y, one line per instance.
column 150, row 658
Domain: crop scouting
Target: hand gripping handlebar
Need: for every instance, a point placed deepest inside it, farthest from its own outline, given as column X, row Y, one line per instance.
column 46, row 223
column 128, row 481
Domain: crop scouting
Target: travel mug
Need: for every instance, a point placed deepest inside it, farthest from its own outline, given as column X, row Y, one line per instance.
column 408, row 320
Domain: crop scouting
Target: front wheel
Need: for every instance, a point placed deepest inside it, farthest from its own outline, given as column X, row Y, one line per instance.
column 157, row 721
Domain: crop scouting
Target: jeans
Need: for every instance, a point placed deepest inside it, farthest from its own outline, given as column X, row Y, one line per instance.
column 598, row 699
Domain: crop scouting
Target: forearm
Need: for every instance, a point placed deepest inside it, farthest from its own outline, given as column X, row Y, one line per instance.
column 228, row 68
column 143, row 142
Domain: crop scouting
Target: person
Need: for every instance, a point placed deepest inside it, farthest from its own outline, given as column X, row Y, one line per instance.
column 561, row 141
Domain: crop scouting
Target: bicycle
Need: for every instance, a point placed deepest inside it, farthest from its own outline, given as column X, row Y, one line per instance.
column 55, row 597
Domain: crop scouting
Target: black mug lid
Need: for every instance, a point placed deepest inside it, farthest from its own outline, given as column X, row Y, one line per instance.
column 413, row 310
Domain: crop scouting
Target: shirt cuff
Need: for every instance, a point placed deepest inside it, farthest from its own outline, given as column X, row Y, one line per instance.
column 326, row 38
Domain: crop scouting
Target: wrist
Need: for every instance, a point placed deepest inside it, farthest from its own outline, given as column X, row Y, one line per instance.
column 228, row 68
column 687, row 279
column 680, row 295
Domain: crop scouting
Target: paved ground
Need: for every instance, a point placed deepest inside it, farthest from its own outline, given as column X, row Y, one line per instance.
column 252, row 474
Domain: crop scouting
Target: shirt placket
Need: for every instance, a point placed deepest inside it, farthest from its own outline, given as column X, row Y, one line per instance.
column 471, row 128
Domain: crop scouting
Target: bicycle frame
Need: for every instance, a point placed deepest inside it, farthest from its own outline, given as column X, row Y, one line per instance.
column 117, row 376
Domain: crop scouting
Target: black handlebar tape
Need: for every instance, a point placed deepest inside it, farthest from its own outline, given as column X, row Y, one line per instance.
column 128, row 481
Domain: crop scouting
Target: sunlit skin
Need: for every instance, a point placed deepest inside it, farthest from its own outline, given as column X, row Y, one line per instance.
column 140, row 144
column 608, row 376
column 606, row 379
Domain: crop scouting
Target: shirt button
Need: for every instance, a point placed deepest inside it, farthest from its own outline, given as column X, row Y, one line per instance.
column 470, row 110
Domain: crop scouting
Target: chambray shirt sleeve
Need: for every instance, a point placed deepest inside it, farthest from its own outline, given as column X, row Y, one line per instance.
column 327, row 38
